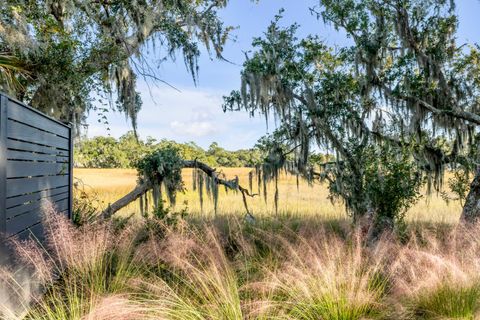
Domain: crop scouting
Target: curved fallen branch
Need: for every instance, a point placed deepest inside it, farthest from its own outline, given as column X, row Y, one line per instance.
column 143, row 188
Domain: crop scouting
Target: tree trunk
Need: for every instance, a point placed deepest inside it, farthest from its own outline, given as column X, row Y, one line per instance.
column 379, row 226
column 471, row 210
column 136, row 193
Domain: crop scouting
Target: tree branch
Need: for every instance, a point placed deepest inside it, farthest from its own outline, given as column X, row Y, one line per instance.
column 143, row 188
column 133, row 195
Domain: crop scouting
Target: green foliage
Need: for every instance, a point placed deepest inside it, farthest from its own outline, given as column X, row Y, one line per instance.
column 392, row 182
column 85, row 204
column 10, row 69
column 162, row 168
column 459, row 185
column 78, row 54
column 108, row 152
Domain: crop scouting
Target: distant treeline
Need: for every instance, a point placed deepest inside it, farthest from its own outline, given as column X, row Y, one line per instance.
column 108, row 152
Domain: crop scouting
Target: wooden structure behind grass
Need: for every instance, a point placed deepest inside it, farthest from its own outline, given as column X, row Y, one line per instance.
column 35, row 165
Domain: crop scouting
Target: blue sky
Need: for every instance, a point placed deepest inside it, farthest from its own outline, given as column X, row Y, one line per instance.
column 195, row 113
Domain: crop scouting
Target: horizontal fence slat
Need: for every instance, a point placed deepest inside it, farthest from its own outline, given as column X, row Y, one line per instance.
column 20, row 145
column 22, row 114
column 16, row 225
column 20, row 222
column 11, row 202
column 34, row 205
column 16, row 169
column 26, row 185
column 32, row 217
column 17, row 130
column 31, row 156
column 34, row 232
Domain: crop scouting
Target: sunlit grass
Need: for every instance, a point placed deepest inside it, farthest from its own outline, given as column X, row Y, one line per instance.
column 111, row 184
column 224, row 268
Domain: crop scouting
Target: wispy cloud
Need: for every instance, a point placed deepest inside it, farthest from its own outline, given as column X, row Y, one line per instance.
column 193, row 114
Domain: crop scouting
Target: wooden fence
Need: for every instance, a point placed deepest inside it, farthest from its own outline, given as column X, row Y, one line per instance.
column 35, row 165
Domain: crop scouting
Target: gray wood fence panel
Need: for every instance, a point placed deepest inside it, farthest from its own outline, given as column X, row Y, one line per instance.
column 36, row 148
column 20, row 169
column 16, row 187
column 36, row 196
column 31, row 156
column 36, row 158
column 20, row 131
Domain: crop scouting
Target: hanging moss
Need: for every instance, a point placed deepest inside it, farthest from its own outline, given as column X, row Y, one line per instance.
column 82, row 57
column 162, row 169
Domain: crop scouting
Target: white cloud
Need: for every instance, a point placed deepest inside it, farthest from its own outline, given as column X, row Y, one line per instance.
column 195, row 129
column 193, row 114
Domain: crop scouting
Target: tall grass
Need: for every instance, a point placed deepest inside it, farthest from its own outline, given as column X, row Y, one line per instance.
column 304, row 201
column 438, row 275
column 75, row 271
column 326, row 277
column 223, row 268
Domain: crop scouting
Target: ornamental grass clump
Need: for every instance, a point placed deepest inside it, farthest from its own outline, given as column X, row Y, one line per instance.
column 437, row 276
column 326, row 277
column 194, row 278
column 75, row 269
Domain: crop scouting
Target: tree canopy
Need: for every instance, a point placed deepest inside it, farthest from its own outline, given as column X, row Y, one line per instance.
column 76, row 55
column 404, row 84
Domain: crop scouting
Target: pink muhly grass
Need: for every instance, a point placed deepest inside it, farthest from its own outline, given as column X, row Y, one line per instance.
column 118, row 307
column 76, row 264
column 203, row 284
column 439, row 277
column 325, row 277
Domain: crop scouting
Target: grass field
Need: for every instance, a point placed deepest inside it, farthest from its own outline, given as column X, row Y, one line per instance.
column 111, row 184
column 309, row 264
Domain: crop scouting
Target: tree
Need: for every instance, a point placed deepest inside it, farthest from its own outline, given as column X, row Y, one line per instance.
column 160, row 171
column 408, row 61
column 317, row 96
column 78, row 53
column 403, row 84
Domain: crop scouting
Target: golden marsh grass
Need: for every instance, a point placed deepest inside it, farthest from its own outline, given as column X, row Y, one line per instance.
column 111, row 184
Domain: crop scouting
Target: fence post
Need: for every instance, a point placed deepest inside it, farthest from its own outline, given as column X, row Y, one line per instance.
column 3, row 163
column 70, row 181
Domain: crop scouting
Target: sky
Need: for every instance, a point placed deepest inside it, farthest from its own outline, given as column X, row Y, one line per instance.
column 194, row 112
